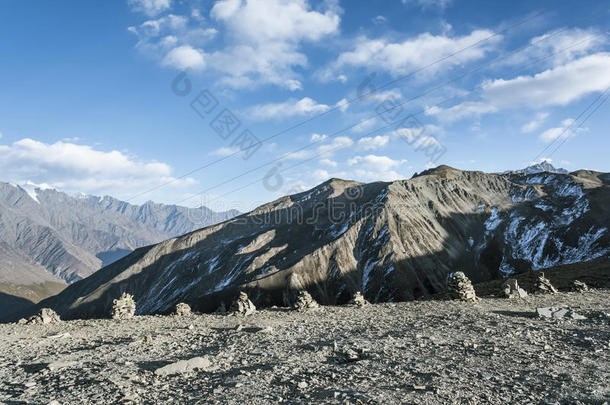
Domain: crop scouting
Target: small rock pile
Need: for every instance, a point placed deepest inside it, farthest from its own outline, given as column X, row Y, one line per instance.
column 182, row 309
column 124, row 307
column 46, row 316
column 544, row 286
column 460, row 287
column 305, row 302
column 242, row 305
column 358, row 300
column 579, row 286
column 511, row 289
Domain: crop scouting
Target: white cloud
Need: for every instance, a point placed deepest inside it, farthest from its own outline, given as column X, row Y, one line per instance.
column 399, row 58
column 319, row 176
column 149, row 7
column 375, row 162
column 372, row 143
column 267, row 36
column 557, row 86
column 224, row 151
column 374, row 167
column 342, row 104
column 535, row 123
column 567, row 129
column 81, row 168
column 564, row 45
column 318, row 138
column 379, row 19
column 287, row 109
column 430, row 3
column 0, row 135
column 338, row 143
column 328, row 162
column 261, row 39
column 462, row 110
column 325, row 151
column 365, row 125
column 184, row 57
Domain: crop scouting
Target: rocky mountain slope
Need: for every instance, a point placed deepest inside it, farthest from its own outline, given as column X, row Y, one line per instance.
column 392, row 241
column 49, row 236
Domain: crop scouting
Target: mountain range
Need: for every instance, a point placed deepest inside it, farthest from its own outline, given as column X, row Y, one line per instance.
column 391, row 241
column 49, row 239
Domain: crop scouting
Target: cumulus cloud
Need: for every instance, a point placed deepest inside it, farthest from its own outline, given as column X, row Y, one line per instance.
column 577, row 79
column 81, row 168
column 564, row 45
column 441, row 4
column 324, row 151
column 372, row 143
column 365, row 125
column 566, row 129
column 287, row 109
column 184, row 57
column 261, row 39
column 149, row 7
column 328, row 162
column 459, row 111
column 175, row 39
column 374, row 167
column 224, row 151
column 319, row 175
column 535, row 123
column 266, row 37
column 399, row 58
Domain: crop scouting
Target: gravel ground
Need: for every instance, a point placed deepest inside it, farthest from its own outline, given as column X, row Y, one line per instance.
column 424, row 352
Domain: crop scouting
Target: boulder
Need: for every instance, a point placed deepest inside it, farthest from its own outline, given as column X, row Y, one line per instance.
column 511, row 289
column 123, row 307
column 46, row 316
column 460, row 287
column 558, row 313
column 182, row 309
column 185, row 366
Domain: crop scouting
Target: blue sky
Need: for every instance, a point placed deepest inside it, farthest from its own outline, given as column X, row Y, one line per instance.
column 359, row 90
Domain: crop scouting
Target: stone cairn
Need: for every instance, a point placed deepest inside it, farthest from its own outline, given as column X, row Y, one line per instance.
column 461, row 288
column 182, row 309
column 511, row 289
column 579, row 286
column 124, row 307
column 46, row 316
column 305, row 302
column 358, row 300
column 544, row 286
column 242, row 305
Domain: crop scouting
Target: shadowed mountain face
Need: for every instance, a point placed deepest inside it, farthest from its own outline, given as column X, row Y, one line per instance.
column 48, row 238
column 392, row 241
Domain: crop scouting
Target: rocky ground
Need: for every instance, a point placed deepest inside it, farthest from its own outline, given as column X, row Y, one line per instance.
column 423, row 352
